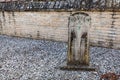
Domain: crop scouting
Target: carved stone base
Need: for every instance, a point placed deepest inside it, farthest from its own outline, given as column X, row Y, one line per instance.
column 81, row 67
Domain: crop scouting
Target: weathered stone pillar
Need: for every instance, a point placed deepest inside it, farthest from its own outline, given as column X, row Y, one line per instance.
column 78, row 39
column 78, row 42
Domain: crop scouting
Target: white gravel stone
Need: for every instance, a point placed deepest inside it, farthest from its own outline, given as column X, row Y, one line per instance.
column 28, row 59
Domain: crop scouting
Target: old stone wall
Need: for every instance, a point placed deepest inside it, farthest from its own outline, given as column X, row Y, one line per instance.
column 39, row 25
column 104, row 30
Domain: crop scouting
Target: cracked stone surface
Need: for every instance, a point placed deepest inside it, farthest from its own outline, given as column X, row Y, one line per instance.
column 28, row 59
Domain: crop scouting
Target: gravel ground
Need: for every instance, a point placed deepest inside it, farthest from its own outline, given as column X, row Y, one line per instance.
column 28, row 59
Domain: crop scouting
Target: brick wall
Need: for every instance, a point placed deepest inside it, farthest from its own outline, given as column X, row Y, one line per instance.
column 39, row 25
column 104, row 30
